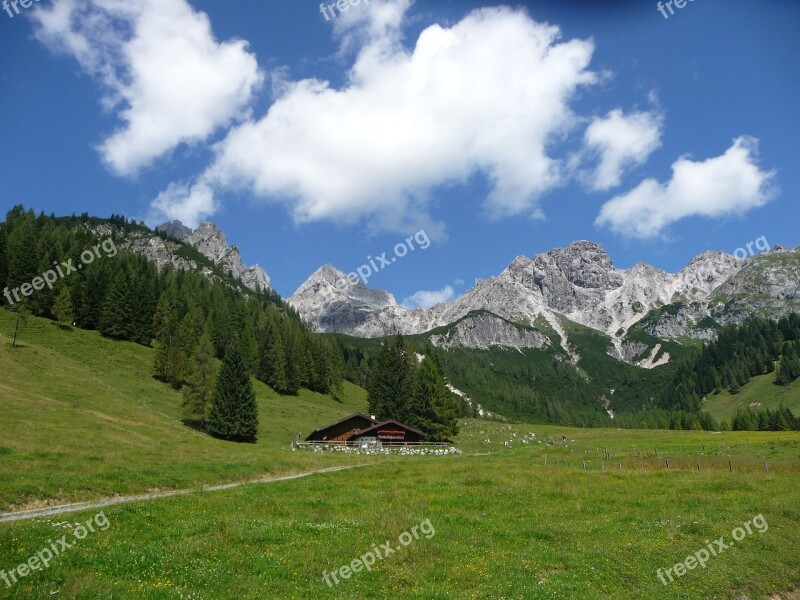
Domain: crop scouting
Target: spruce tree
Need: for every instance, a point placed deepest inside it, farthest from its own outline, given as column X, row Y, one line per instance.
column 391, row 381
column 62, row 309
column 272, row 362
column 432, row 408
column 23, row 312
column 117, row 315
column 234, row 413
column 789, row 368
column 197, row 392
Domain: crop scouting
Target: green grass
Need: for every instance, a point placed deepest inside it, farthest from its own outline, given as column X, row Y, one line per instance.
column 761, row 392
column 83, row 418
column 505, row 527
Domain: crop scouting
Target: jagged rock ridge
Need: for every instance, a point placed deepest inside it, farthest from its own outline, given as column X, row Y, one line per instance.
column 578, row 282
column 207, row 239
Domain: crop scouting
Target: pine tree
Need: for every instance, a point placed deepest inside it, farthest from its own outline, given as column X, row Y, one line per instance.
column 23, row 312
column 234, row 413
column 789, row 368
column 391, row 381
column 432, row 408
column 272, row 363
column 117, row 315
column 62, row 309
column 197, row 392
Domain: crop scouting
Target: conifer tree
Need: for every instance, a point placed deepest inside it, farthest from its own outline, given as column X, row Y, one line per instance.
column 23, row 312
column 62, row 309
column 197, row 392
column 432, row 408
column 391, row 381
column 234, row 413
column 272, row 363
column 117, row 314
column 789, row 368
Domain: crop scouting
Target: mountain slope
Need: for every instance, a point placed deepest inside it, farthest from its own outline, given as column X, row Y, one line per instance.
column 578, row 282
column 204, row 250
column 82, row 412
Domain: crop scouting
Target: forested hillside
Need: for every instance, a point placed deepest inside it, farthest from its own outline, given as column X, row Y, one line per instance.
column 125, row 297
column 544, row 386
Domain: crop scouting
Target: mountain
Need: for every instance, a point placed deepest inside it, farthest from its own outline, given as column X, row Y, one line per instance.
column 207, row 239
column 638, row 308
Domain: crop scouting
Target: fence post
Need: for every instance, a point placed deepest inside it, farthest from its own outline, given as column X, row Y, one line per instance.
column 667, row 462
column 584, row 465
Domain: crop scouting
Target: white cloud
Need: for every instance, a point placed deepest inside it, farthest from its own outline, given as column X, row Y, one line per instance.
column 731, row 184
column 163, row 72
column 187, row 204
column 618, row 142
column 428, row 298
column 407, row 122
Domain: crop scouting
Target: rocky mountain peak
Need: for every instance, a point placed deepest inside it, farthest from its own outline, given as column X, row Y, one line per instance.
column 579, row 283
column 175, row 229
column 210, row 241
column 582, row 263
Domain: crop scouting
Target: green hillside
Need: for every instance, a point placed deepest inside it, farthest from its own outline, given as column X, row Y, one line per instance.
column 761, row 392
column 83, row 417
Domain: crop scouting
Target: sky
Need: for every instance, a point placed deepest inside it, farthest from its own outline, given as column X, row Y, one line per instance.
column 316, row 135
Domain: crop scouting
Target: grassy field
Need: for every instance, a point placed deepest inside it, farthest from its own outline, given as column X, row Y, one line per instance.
column 505, row 527
column 515, row 517
column 82, row 418
column 760, row 392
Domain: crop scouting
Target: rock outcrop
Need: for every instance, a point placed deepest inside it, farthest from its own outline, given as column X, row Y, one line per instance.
column 578, row 282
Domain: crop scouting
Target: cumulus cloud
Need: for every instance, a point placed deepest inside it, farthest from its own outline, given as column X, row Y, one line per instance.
column 731, row 184
column 428, row 298
column 184, row 203
column 619, row 142
column 407, row 122
column 163, row 72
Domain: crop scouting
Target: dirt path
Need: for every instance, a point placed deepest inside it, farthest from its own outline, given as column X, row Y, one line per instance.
column 25, row 515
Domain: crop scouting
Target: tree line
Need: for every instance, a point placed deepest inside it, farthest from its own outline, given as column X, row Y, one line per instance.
column 758, row 347
column 413, row 392
column 780, row 419
column 191, row 321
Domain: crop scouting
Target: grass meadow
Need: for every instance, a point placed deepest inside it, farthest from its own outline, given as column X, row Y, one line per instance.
column 515, row 517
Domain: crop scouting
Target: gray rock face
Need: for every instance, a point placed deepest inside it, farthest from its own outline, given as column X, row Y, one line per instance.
column 578, row 282
column 482, row 331
column 175, row 229
column 329, row 301
column 765, row 285
column 208, row 240
column 211, row 242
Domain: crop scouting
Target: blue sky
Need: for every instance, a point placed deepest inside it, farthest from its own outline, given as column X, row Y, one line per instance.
column 311, row 141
